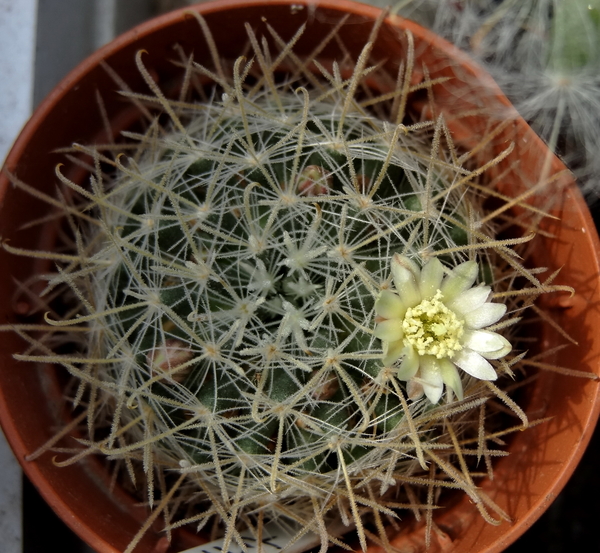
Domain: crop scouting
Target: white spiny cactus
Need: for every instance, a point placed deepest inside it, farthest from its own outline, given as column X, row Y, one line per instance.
column 235, row 280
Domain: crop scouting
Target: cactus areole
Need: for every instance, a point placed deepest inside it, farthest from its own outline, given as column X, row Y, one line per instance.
column 283, row 298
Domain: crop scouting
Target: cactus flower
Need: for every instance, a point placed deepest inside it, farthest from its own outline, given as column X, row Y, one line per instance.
column 435, row 324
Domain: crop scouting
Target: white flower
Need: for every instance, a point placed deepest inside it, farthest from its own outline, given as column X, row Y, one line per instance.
column 436, row 324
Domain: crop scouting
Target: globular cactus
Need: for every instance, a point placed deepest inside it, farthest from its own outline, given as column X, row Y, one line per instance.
column 245, row 280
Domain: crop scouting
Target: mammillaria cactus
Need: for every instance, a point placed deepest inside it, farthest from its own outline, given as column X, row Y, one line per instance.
column 235, row 287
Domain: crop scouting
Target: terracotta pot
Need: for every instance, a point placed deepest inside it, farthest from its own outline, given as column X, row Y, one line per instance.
column 541, row 459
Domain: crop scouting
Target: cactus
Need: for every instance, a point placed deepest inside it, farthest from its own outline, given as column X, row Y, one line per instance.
column 238, row 281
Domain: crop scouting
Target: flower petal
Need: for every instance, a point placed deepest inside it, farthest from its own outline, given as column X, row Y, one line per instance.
column 431, row 278
column 474, row 364
column 392, row 351
column 433, row 391
column 488, row 344
column 485, row 315
column 389, row 330
column 483, row 341
column 410, row 364
column 414, row 390
column 451, row 377
column 470, row 300
column 499, row 353
column 461, row 278
column 407, row 264
column 431, row 378
column 405, row 280
column 389, row 305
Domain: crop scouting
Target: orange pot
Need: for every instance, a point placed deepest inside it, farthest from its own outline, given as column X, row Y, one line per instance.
column 541, row 459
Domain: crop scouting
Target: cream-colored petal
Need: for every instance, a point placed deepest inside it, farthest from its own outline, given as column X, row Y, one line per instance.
column 407, row 264
column 433, row 391
column 431, row 278
column 431, row 378
column 474, row 364
column 389, row 305
column 389, row 330
column 405, row 281
column 410, row 364
column 461, row 278
column 451, row 377
column 500, row 352
column 485, row 315
column 392, row 351
column 488, row 344
column 483, row 341
column 470, row 300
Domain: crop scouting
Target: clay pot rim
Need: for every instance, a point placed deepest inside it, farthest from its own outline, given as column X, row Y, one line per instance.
column 369, row 12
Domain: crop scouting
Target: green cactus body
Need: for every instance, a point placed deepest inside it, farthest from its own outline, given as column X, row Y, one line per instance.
column 259, row 246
